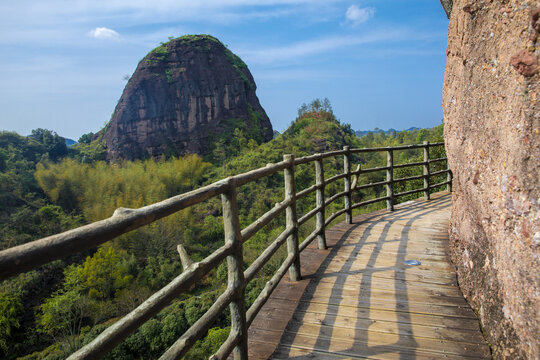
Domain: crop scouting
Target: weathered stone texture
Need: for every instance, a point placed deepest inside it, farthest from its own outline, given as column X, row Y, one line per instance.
column 182, row 97
column 492, row 131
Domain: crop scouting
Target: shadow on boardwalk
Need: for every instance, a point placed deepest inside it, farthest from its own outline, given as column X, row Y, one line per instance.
column 359, row 299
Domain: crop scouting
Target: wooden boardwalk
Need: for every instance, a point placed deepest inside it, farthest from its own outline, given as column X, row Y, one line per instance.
column 359, row 299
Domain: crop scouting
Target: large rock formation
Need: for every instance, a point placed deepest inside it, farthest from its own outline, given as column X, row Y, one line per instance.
column 492, row 131
column 184, row 96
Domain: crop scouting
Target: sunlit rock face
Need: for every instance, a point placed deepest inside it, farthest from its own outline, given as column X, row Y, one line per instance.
column 183, row 96
column 492, row 131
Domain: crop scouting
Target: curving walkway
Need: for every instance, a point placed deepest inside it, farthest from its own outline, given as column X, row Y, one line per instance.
column 359, row 299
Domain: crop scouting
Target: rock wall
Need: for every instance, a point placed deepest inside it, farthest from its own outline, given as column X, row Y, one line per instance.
column 492, row 131
column 184, row 96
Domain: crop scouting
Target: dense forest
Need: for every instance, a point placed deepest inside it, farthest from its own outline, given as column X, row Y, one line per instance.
column 46, row 188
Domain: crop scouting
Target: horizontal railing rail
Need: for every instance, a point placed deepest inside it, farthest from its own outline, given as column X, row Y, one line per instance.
column 25, row 257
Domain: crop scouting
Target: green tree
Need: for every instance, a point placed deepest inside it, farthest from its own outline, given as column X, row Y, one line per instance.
column 315, row 106
column 54, row 143
column 62, row 317
column 10, row 309
column 210, row 344
column 106, row 272
column 86, row 138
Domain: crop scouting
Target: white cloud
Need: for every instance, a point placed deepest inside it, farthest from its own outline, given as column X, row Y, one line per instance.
column 356, row 15
column 296, row 51
column 58, row 21
column 104, row 33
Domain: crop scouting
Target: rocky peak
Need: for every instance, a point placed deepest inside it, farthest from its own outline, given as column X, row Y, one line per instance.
column 183, row 96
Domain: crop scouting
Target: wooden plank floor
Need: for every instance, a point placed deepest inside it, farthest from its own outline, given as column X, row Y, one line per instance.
column 359, row 299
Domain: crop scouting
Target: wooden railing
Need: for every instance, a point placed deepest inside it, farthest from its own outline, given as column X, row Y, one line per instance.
column 31, row 255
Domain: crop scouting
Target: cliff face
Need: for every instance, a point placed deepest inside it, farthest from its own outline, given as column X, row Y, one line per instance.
column 492, row 131
column 183, row 96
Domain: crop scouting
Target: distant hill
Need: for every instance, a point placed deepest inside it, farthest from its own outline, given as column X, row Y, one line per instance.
column 361, row 133
column 70, row 142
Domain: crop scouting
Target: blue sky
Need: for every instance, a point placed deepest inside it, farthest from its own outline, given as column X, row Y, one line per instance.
column 381, row 62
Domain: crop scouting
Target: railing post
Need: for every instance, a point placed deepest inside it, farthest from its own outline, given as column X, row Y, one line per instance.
column 426, row 170
column 291, row 218
column 347, row 170
column 231, row 225
column 319, row 181
column 390, row 179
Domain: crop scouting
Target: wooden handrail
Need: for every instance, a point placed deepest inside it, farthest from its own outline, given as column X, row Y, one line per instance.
column 320, row 183
column 347, row 184
column 34, row 254
column 306, row 191
column 426, row 170
column 291, row 218
column 396, row 148
column 250, row 272
column 389, row 179
column 261, row 222
column 397, row 166
column 117, row 332
column 28, row 256
column 236, row 281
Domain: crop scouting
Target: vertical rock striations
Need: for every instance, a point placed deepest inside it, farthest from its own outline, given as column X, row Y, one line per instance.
column 492, row 131
column 183, row 96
